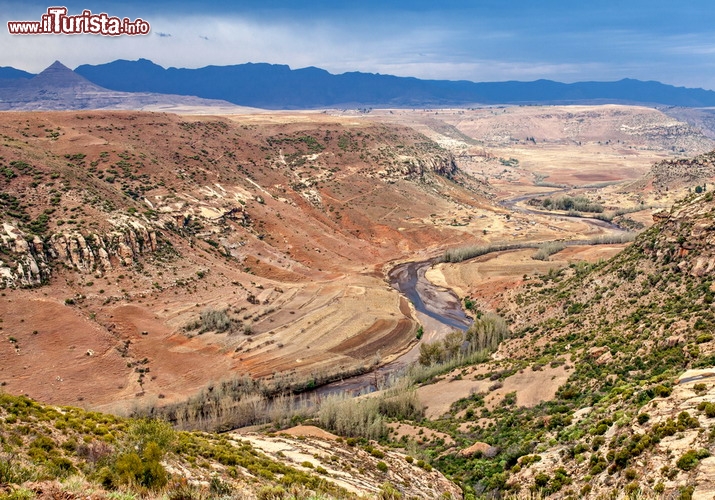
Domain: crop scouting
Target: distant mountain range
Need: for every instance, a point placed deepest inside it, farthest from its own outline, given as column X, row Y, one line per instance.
column 60, row 88
column 274, row 86
column 279, row 87
column 6, row 72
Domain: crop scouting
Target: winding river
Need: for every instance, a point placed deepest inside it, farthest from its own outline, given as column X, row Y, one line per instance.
column 440, row 304
column 512, row 204
column 435, row 302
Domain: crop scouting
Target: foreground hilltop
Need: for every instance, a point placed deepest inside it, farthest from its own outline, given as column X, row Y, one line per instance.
column 65, row 452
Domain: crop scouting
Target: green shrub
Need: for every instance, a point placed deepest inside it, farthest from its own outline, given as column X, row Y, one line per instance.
column 630, row 474
column 560, row 479
column 382, row 466
column 128, row 468
column 686, row 421
column 527, row 460
column 272, row 493
column 18, row 494
column 389, row 492
column 662, row 391
column 60, row 467
column 700, row 388
column 632, row 489
column 44, row 443
column 147, row 471
column 688, row 461
column 541, row 480
column 708, row 408
column 686, row 492
column 141, row 432
column 182, row 490
column 12, row 472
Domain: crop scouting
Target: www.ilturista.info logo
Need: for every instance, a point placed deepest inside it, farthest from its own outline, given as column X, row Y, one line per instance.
column 57, row 22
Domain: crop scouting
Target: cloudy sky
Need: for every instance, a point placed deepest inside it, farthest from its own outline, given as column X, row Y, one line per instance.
column 479, row 40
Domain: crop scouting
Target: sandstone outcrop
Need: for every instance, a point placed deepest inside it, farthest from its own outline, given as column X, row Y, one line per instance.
column 686, row 237
column 419, row 167
column 29, row 259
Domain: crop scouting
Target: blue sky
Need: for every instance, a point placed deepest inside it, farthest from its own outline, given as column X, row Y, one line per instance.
column 668, row 41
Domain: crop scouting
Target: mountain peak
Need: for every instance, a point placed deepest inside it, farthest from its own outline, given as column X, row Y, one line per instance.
column 57, row 65
column 58, row 75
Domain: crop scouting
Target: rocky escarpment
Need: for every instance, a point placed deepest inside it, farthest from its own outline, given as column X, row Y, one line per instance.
column 683, row 172
column 364, row 471
column 420, row 167
column 27, row 260
column 686, row 238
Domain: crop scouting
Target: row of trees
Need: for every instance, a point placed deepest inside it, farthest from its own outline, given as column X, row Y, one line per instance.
column 485, row 334
column 575, row 203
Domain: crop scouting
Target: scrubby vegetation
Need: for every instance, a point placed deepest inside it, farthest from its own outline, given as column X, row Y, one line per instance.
column 544, row 250
column 213, row 320
column 61, row 449
column 367, row 418
column 469, row 252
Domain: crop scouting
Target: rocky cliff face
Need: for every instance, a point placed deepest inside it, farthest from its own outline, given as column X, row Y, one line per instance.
column 419, row 167
column 28, row 260
column 669, row 174
column 687, row 237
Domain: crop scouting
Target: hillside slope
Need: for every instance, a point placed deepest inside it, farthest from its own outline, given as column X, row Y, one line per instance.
column 631, row 326
column 126, row 236
column 606, row 386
